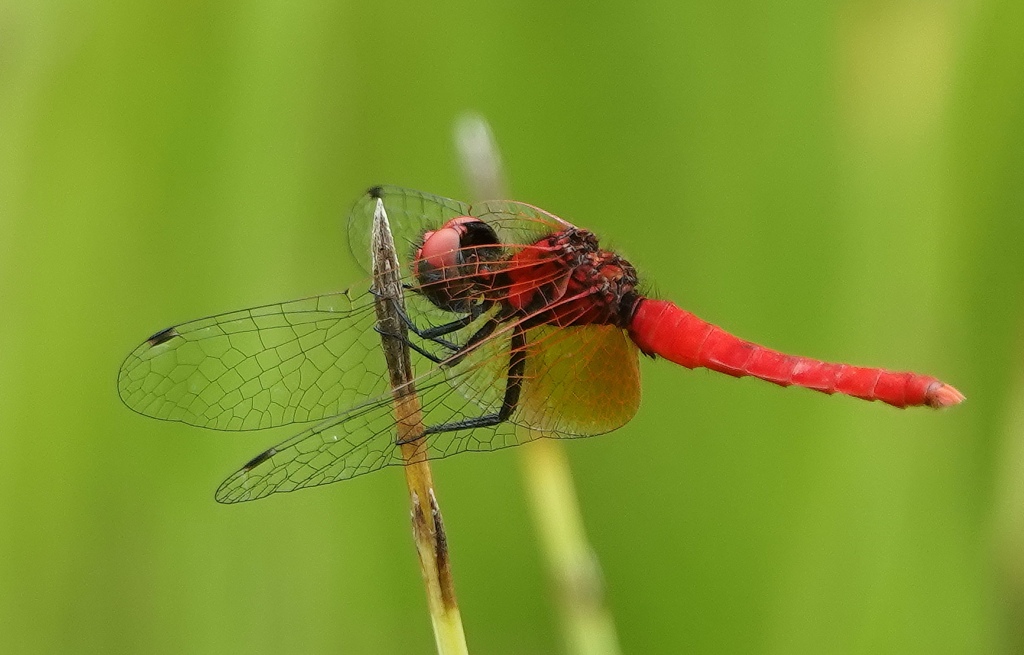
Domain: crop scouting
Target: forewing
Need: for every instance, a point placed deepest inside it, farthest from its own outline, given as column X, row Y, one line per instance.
column 297, row 361
column 517, row 222
column 411, row 213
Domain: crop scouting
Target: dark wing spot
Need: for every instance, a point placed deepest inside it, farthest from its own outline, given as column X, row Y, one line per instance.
column 259, row 459
column 163, row 336
column 376, row 191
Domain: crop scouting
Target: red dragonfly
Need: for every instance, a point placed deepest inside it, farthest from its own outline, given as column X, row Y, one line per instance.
column 519, row 325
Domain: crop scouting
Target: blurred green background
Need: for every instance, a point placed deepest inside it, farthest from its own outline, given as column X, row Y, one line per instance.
column 844, row 180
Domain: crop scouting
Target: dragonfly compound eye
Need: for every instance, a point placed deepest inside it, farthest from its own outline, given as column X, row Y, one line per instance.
column 452, row 263
column 455, row 242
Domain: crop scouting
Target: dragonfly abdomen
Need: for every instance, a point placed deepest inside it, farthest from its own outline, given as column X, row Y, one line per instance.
column 661, row 328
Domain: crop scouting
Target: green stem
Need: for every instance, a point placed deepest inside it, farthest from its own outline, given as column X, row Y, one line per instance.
column 587, row 624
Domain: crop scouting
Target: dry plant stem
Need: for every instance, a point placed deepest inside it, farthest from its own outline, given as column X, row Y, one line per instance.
column 427, row 526
column 587, row 625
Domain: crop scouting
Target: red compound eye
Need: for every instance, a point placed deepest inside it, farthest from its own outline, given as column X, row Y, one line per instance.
column 440, row 247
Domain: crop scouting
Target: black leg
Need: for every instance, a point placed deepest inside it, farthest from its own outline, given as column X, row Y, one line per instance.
column 513, row 389
column 435, row 333
column 458, row 352
column 485, row 331
column 441, row 330
column 408, row 342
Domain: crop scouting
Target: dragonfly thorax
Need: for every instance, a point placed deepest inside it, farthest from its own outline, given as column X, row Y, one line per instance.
column 566, row 279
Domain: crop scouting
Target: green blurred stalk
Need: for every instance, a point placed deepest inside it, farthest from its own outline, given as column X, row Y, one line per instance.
column 587, row 624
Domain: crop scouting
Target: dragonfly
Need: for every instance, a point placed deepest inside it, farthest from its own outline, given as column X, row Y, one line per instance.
column 519, row 326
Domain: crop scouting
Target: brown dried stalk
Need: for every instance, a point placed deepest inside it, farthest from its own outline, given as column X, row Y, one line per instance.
column 427, row 526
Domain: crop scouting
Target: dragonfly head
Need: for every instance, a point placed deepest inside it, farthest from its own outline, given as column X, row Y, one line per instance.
column 453, row 264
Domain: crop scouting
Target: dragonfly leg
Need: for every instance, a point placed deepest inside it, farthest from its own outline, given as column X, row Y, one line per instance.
column 408, row 342
column 457, row 352
column 441, row 330
column 436, row 332
column 485, row 331
column 513, row 388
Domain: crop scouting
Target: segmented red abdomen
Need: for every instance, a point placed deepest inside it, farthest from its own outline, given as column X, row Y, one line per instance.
column 661, row 328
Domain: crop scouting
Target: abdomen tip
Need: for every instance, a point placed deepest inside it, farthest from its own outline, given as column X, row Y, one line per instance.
column 943, row 395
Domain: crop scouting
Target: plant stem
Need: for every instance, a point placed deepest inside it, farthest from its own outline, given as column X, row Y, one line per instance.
column 427, row 525
column 587, row 625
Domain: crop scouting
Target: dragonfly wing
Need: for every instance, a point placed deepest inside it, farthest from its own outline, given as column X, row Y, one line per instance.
column 364, row 439
column 578, row 381
column 411, row 213
column 258, row 368
column 359, row 441
column 517, row 222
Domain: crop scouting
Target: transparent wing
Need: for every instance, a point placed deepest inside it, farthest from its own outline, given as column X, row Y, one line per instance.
column 573, row 387
column 356, row 442
column 363, row 439
column 411, row 213
column 578, row 381
column 257, row 368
